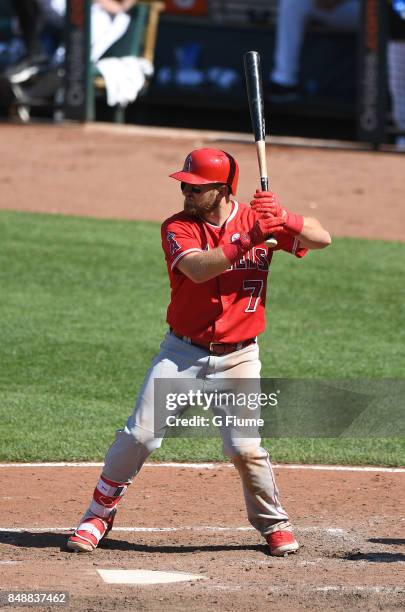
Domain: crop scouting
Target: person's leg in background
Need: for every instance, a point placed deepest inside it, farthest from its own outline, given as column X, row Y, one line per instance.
column 396, row 80
column 396, row 72
column 106, row 30
column 293, row 17
column 29, row 18
column 28, row 14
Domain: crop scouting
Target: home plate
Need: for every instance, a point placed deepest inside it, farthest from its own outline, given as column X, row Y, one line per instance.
column 145, row 576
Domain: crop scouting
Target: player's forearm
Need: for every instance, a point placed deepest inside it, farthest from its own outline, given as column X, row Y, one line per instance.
column 313, row 235
column 201, row 267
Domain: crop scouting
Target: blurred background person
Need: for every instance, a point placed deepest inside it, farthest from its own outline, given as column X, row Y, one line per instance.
column 38, row 87
column 40, row 25
column 396, row 69
column 27, row 13
column 109, row 21
column 292, row 19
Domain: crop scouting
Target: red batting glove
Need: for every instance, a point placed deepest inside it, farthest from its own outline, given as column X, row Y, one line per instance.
column 267, row 202
column 262, row 229
column 264, row 226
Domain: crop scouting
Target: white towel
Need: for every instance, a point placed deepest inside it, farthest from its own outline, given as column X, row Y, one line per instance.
column 124, row 78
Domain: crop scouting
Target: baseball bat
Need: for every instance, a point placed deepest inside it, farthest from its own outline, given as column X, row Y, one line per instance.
column 253, row 76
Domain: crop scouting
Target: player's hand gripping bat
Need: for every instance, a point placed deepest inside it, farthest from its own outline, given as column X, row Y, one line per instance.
column 254, row 88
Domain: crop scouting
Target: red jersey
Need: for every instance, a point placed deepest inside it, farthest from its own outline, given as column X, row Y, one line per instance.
column 231, row 306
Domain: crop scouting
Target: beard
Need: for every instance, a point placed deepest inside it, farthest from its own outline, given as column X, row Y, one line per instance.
column 204, row 208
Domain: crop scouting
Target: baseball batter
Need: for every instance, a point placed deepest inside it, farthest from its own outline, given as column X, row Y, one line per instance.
column 217, row 263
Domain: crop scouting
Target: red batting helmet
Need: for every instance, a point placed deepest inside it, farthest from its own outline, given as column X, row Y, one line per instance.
column 204, row 166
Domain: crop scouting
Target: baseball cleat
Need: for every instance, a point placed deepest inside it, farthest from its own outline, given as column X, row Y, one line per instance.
column 282, row 543
column 90, row 532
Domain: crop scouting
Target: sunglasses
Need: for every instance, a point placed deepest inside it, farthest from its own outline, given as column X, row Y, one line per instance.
column 193, row 189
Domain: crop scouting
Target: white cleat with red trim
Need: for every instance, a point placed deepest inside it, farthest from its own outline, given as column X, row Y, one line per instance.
column 99, row 518
column 90, row 532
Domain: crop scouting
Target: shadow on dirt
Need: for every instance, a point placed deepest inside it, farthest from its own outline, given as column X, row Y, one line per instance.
column 28, row 539
column 395, row 541
column 111, row 544
column 376, row 557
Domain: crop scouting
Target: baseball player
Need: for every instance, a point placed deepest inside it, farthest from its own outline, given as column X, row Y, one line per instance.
column 217, row 263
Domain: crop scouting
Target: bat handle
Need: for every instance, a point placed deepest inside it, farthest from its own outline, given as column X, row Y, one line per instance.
column 264, row 182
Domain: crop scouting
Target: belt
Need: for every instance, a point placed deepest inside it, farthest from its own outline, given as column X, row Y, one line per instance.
column 216, row 348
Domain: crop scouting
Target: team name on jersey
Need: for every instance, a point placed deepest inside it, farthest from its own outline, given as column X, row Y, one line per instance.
column 255, row 259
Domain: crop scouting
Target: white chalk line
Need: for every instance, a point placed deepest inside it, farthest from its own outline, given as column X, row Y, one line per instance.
column 371, row 590
column 214, row 466
column 333, row 531
column 326, row 589
column 125, row 529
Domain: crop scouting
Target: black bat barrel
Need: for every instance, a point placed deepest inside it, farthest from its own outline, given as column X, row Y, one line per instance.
column 254, row 86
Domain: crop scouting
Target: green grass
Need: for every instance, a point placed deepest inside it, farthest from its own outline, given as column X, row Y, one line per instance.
column 82, row 312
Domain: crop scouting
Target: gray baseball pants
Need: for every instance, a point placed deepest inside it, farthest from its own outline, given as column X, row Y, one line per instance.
column 179, row 362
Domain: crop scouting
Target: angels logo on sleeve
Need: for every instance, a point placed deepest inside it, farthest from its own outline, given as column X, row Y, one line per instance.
column 174, row 245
